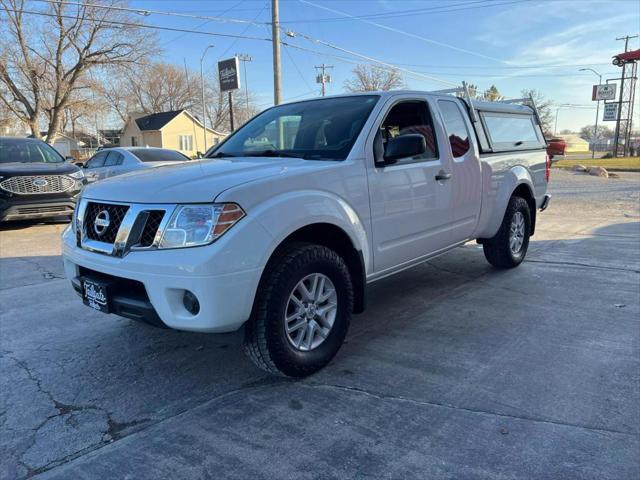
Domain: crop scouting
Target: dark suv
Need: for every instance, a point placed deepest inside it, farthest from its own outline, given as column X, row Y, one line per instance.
column 35, row 180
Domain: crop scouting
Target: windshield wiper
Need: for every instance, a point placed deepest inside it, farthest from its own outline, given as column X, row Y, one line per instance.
column 274, row 153
column 222, row 155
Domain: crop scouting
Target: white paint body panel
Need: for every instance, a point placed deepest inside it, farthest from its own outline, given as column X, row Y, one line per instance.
column 395, row 216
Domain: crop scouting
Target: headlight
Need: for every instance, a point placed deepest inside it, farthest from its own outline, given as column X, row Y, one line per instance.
column 194, row 225
column 77, row 175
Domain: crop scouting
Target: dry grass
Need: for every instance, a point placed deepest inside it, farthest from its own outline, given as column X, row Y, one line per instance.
column 613, row 164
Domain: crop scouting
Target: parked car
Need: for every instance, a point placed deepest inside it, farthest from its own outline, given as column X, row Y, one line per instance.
column 35, row 180
column 556, row 148
column 290, row 218
column 118, row 160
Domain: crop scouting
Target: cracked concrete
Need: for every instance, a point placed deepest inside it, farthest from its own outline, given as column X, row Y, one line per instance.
column 455, row 370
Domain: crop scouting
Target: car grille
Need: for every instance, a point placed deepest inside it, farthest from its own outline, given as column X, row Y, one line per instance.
column 36, row 184
column 151, row 228
column 116, row 215
column 62, row 209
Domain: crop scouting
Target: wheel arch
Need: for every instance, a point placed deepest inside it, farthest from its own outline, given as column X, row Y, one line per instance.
column 335, row 238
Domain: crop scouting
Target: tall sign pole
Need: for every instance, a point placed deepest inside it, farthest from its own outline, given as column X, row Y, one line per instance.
column 229, row 78
column 275, row 39
column 244, row 58
column 625, row 103
column 596, row 97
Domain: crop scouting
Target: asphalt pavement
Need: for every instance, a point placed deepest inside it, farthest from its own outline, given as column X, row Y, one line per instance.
column 455, row 371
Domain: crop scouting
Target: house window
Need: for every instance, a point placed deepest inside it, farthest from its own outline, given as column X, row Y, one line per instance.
column 185, row 142
column 134, row 141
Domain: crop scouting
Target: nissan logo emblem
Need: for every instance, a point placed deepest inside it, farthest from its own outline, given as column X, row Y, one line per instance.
column 40, row 182
column 101, row 223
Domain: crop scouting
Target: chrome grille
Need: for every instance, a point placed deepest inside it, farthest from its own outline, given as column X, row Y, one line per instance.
column 36, row 184
column 151, row 228
column 120, row 228
column 116, row 214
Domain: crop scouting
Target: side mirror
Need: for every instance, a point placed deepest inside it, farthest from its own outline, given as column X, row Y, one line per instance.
column 79, row 164
column 404, row 146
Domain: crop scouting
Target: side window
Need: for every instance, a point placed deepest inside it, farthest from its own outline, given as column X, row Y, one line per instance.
column 511, row 131
column 97, row 160
column 113, row 159
column 406, row 118
column 455, row 127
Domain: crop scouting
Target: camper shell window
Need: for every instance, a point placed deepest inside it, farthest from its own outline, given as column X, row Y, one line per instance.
column 512, row 131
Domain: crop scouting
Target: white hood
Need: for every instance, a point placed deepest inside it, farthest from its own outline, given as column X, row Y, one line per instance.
column 190, row 182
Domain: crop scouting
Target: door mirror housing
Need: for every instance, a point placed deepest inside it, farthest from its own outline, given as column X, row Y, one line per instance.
column 80, row 164
column 403, row 146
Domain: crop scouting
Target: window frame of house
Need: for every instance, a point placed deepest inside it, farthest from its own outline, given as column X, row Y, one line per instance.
column 185, row 143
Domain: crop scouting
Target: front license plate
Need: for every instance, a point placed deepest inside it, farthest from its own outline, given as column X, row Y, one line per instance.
column 95, row 294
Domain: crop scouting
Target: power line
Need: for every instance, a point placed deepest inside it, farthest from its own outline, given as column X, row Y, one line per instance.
column 139, row 25
column 402, row 32
column 414, row 12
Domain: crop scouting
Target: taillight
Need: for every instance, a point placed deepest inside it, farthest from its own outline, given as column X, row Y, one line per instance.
column 547, row 167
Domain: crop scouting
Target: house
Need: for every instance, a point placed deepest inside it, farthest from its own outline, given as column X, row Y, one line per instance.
column 575, row 144
column 111, row 136
column 65, row 144
column 177, row 130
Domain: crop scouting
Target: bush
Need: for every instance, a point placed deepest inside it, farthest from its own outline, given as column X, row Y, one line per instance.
column 608, row 155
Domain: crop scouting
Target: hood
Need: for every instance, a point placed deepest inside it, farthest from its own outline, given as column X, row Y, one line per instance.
column 191, row 182
column 11, row 169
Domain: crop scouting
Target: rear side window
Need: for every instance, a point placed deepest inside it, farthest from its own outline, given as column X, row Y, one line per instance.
column 455, row 127
column 114, row 159
column 158, row 155
column 511, row 131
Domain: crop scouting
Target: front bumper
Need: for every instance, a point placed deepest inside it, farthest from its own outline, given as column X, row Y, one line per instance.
column 223, row 280
column 35, row 209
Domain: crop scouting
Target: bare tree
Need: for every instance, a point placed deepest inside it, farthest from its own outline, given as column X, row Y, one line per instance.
column 368, row 78
column 43, row 63
column 543, row 104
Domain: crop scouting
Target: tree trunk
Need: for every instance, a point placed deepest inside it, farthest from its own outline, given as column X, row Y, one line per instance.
column 54, row 126
column 34, row 127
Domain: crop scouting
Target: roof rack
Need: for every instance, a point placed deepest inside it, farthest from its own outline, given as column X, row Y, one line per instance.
column 464, row 89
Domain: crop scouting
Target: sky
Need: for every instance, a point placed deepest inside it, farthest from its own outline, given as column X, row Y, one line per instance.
column 513, row 44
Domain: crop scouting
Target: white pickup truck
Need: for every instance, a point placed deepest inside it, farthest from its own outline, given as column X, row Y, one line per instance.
column 285, row 223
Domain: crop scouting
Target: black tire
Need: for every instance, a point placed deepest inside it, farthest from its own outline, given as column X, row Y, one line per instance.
column 265, row 341
column 497, row 250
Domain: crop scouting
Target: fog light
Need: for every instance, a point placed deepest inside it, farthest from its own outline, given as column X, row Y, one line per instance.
column 191, row 302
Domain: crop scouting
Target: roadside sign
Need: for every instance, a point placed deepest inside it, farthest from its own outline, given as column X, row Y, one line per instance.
column 606, row 91
column 610, row 112
column 229, row 74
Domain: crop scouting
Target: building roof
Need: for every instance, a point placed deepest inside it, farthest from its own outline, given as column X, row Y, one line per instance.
column 156, row 121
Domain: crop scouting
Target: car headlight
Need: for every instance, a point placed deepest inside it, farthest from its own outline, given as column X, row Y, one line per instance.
column 194, row 225
column 77, row 175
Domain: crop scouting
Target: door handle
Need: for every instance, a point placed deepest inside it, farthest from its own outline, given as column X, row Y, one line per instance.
column 442, row 175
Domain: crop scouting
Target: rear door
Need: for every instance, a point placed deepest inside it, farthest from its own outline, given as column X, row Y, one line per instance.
column 466, row 180
column 410, row 207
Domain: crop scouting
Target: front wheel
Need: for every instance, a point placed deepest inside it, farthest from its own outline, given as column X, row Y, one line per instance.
column 302, row 311
column 508, row 247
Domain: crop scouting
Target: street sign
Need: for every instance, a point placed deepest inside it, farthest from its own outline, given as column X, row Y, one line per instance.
column 606, row 91
column 610, row 112
column 229, row 74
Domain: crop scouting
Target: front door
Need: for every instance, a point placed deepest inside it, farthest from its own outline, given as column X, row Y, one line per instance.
column 410, row 200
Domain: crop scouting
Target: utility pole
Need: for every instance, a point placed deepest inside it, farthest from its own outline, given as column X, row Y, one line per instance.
column 204, row 105
column 595, row 128
column 244, row 58
column 322, row 78
column 275, row 39
column 625, row 103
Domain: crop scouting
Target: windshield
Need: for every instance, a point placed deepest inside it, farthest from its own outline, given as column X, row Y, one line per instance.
column 24, row 150
column 323, row 129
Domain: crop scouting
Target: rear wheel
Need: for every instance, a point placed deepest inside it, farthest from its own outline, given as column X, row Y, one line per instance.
column 302, row 311
column 508, row 247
